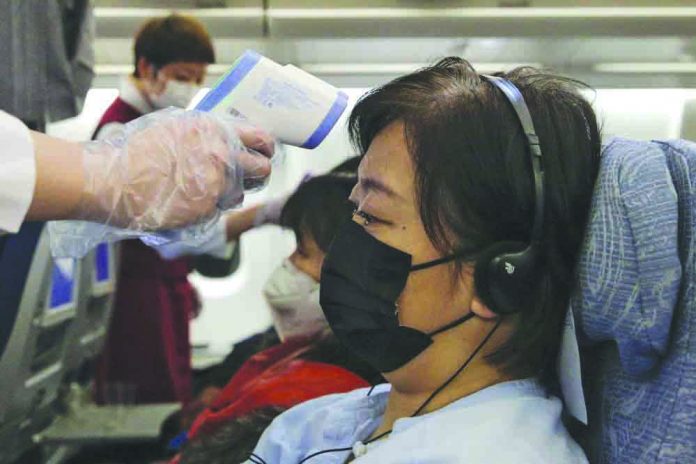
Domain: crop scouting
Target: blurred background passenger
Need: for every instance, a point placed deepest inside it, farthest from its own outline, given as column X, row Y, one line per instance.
column 298, row 358
column 148, row 352
column 313, row 221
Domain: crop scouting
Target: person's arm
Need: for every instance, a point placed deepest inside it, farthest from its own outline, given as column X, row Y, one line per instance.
column 59, row 178
column 238, row 222
column 269, row 212
column 229, row 229
column 167, row 170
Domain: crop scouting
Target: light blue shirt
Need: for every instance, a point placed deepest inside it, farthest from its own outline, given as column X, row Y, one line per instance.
column 511, row 422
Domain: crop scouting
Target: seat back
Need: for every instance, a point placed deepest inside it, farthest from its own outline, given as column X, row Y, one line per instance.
column 39, row 304
column 95, row 304
column 635, row 307
column 15, row 260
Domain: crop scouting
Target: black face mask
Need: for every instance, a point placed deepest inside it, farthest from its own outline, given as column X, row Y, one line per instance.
column 361, row 279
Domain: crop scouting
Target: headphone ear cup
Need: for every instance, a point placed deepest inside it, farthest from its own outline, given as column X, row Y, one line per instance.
column 500, row 274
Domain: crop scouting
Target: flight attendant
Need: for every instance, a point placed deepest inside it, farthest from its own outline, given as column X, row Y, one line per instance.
column 148, row 351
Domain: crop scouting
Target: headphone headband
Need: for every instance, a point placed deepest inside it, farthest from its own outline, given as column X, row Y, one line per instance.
column 505, row 272
column 516, row 100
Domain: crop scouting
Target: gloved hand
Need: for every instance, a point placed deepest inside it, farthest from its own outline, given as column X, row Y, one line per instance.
column 170, row 169
column 166, row 170
column 212, row 242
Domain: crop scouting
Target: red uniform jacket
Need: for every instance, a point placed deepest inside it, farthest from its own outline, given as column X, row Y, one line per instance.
column 147, row 352
column 277, row 376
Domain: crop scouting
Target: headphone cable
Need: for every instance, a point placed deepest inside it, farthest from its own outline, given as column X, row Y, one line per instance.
column 422, row 406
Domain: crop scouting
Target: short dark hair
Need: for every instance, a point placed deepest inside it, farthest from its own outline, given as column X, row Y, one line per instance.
column 474, row 179
column 171, row 39
column 318, row 207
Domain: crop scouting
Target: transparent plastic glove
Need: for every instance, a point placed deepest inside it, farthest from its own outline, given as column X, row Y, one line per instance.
column 171, row 171
column 212, row 242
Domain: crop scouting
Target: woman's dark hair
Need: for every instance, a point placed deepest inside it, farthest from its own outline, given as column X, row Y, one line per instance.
column 171, row 39
column 318, row 207
column 474, row 179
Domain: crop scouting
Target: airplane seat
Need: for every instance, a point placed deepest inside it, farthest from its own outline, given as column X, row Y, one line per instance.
column 95, row 305
column 15, row 260
column 37, row 311
column 635, row 306
column 82, row 423
column 54, row 315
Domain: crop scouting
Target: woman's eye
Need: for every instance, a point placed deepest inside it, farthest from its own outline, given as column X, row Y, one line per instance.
column 366, row 217
column 369, row 219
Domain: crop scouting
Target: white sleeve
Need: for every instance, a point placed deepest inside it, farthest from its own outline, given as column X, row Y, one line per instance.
column 17, row 172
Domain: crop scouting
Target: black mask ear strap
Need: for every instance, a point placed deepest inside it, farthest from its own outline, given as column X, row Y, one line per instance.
column 452, row 324
column 433, row 263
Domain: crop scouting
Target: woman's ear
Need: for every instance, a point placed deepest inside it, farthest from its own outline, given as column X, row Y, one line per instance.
column 479, row 308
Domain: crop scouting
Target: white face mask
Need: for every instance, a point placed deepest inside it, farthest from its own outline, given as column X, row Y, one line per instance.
column 175, row 93
column 294, row 300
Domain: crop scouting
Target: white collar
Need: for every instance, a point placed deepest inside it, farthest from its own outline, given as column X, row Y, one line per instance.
column 129, row 93
column 361, row 413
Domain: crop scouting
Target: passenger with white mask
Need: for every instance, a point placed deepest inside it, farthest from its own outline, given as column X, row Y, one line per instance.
column 304, row 360
column 292, row 291
column 293, row 296
column 313, row 212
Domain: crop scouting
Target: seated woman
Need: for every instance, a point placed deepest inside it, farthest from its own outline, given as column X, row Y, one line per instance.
column 308, row 362
column 453, row 279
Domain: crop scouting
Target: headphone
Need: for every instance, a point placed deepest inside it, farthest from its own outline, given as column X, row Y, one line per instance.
column 504, row 272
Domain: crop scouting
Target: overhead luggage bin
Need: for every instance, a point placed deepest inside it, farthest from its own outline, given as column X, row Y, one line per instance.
column 480, row 22
column 246, row 22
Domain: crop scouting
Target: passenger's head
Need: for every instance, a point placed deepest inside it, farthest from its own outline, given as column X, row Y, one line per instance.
column 447, row 171
column 314, row 213
column 172, row 54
